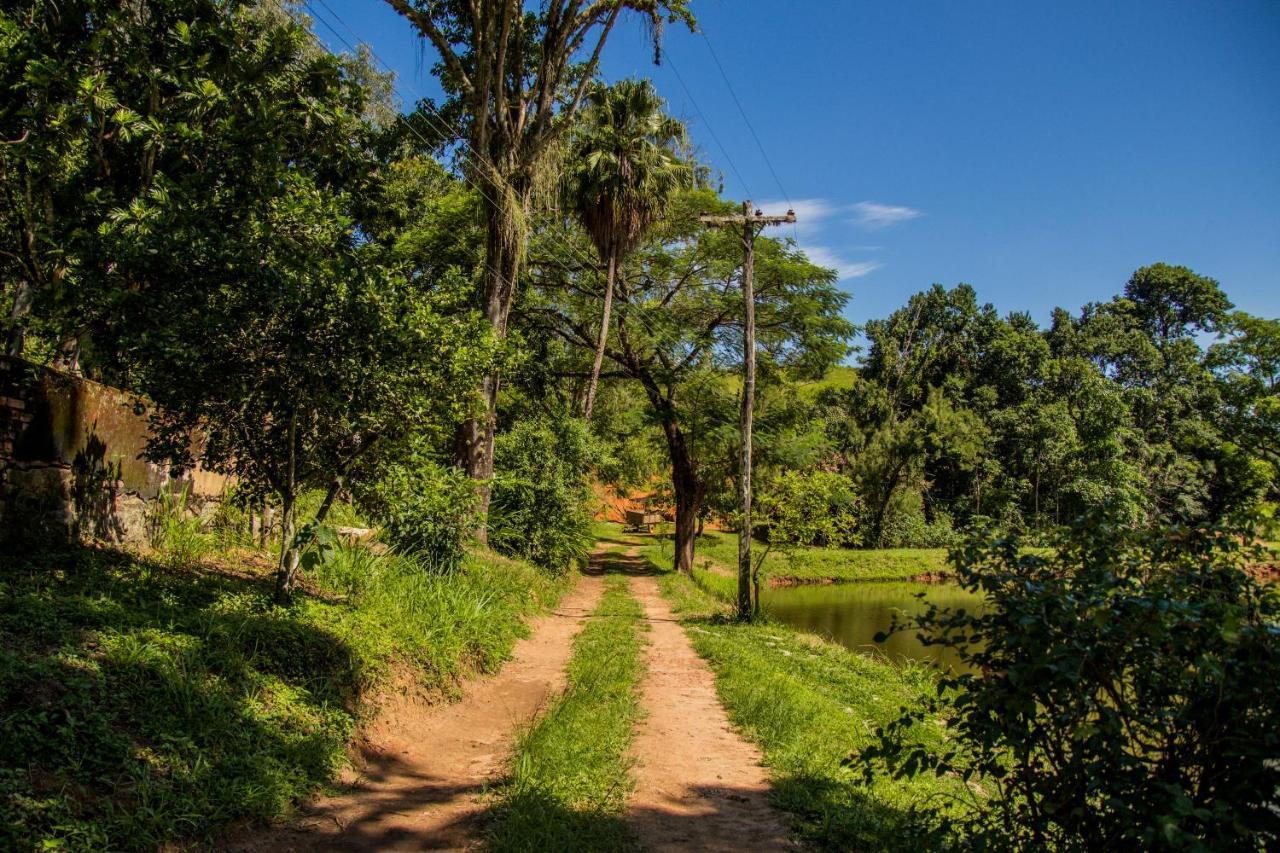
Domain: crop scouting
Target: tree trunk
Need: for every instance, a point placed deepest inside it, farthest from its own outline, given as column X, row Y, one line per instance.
column 604, row 336
column 268, row 522
column 503, row 251
column 688, row 493
column 23, row 295
column 290, row 554
column 291, row 557
column 887, row 489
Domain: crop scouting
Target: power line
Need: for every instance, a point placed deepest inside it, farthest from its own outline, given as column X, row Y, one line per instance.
column 453, row 132
column 710, row 129
column 743, row 112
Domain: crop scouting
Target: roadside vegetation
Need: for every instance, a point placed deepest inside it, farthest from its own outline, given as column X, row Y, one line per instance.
column 450, row 321
column 148, row 700
column 1119, row 692
column 570, row 773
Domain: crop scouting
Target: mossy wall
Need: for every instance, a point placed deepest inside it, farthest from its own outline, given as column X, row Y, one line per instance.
column 71, row 459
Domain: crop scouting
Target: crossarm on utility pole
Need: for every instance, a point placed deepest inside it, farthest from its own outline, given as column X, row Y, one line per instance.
column 756, row 219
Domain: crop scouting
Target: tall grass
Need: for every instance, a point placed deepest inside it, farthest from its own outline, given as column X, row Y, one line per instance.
column 146, row 704
column 177, row 536
column 570, row 775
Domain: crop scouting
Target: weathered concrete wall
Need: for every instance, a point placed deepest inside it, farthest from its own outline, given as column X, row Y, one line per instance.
column 71, row 459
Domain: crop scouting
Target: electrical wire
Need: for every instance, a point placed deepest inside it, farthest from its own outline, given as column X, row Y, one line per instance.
column 439, row 122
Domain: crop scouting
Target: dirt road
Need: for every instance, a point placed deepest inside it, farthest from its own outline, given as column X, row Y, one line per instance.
column 700, row 785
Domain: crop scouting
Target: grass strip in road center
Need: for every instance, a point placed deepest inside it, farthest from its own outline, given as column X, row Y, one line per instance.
column 570, row 774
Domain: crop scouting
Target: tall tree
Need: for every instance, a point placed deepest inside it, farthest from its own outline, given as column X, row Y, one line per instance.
column 121, row 113
column 625, row 165
column 677, row 332
column 284, row 339
column 513, row 79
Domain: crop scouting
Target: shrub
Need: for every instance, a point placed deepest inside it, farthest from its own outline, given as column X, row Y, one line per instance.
column 176, row 535
column 541, row 505
column 811, row 508
column 905, row 524
column 1126, row 697
column 423, row 509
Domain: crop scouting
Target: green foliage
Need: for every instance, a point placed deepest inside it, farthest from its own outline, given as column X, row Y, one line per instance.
column 1247, row 365
column 541, row 505
column 422, row 509
column 675, row 335
column 959, row 414
column 569, row 777
column 176, row 535
column 904, row 524
column 811, row 508
column 145, row 134
column 1126, row 697
column 147, row 706
column 624, row 164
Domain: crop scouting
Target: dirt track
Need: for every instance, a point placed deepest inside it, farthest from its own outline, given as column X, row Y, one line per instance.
column 423, row 768
column 700, row 785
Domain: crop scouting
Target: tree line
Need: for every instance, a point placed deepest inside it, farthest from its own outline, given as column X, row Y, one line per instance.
column 460, row 314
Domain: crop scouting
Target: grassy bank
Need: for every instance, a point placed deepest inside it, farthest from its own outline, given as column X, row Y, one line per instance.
column 810, row 705
column 570, row 774
column 146, row 700
column 820, row 564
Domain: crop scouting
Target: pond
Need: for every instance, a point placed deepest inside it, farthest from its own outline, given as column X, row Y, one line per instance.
column 853, row 613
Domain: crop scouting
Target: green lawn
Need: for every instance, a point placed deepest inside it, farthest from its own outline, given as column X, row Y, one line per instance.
column 148, row 703
column 841, row 564
column 811, row 705
column 570, row 775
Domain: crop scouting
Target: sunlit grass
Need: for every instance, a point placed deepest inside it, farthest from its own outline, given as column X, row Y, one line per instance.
column 843, row 564
column 812, row 705
column 569, row 776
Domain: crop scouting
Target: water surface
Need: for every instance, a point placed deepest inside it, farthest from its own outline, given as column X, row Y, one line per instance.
column 853, row 613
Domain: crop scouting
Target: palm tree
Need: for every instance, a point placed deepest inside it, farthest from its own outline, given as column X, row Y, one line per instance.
column 626, row 164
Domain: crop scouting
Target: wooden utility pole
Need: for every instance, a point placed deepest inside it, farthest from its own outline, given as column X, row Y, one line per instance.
column 752, row 224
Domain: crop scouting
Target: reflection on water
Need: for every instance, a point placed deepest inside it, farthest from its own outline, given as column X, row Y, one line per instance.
column 853, row 613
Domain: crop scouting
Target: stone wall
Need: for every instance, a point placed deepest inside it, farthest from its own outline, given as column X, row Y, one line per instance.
column 71, row 461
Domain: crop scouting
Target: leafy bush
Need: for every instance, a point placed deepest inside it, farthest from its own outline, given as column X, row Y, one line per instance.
column 905, row 524
column 1127, row 696
column 424, row 509
column 540, row 509
column 812, row 508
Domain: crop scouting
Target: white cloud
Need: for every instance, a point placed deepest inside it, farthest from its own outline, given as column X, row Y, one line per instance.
column 872, row 215
column 845, row 269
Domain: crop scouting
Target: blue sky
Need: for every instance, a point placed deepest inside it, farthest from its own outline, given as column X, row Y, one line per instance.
column 1040, row 152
